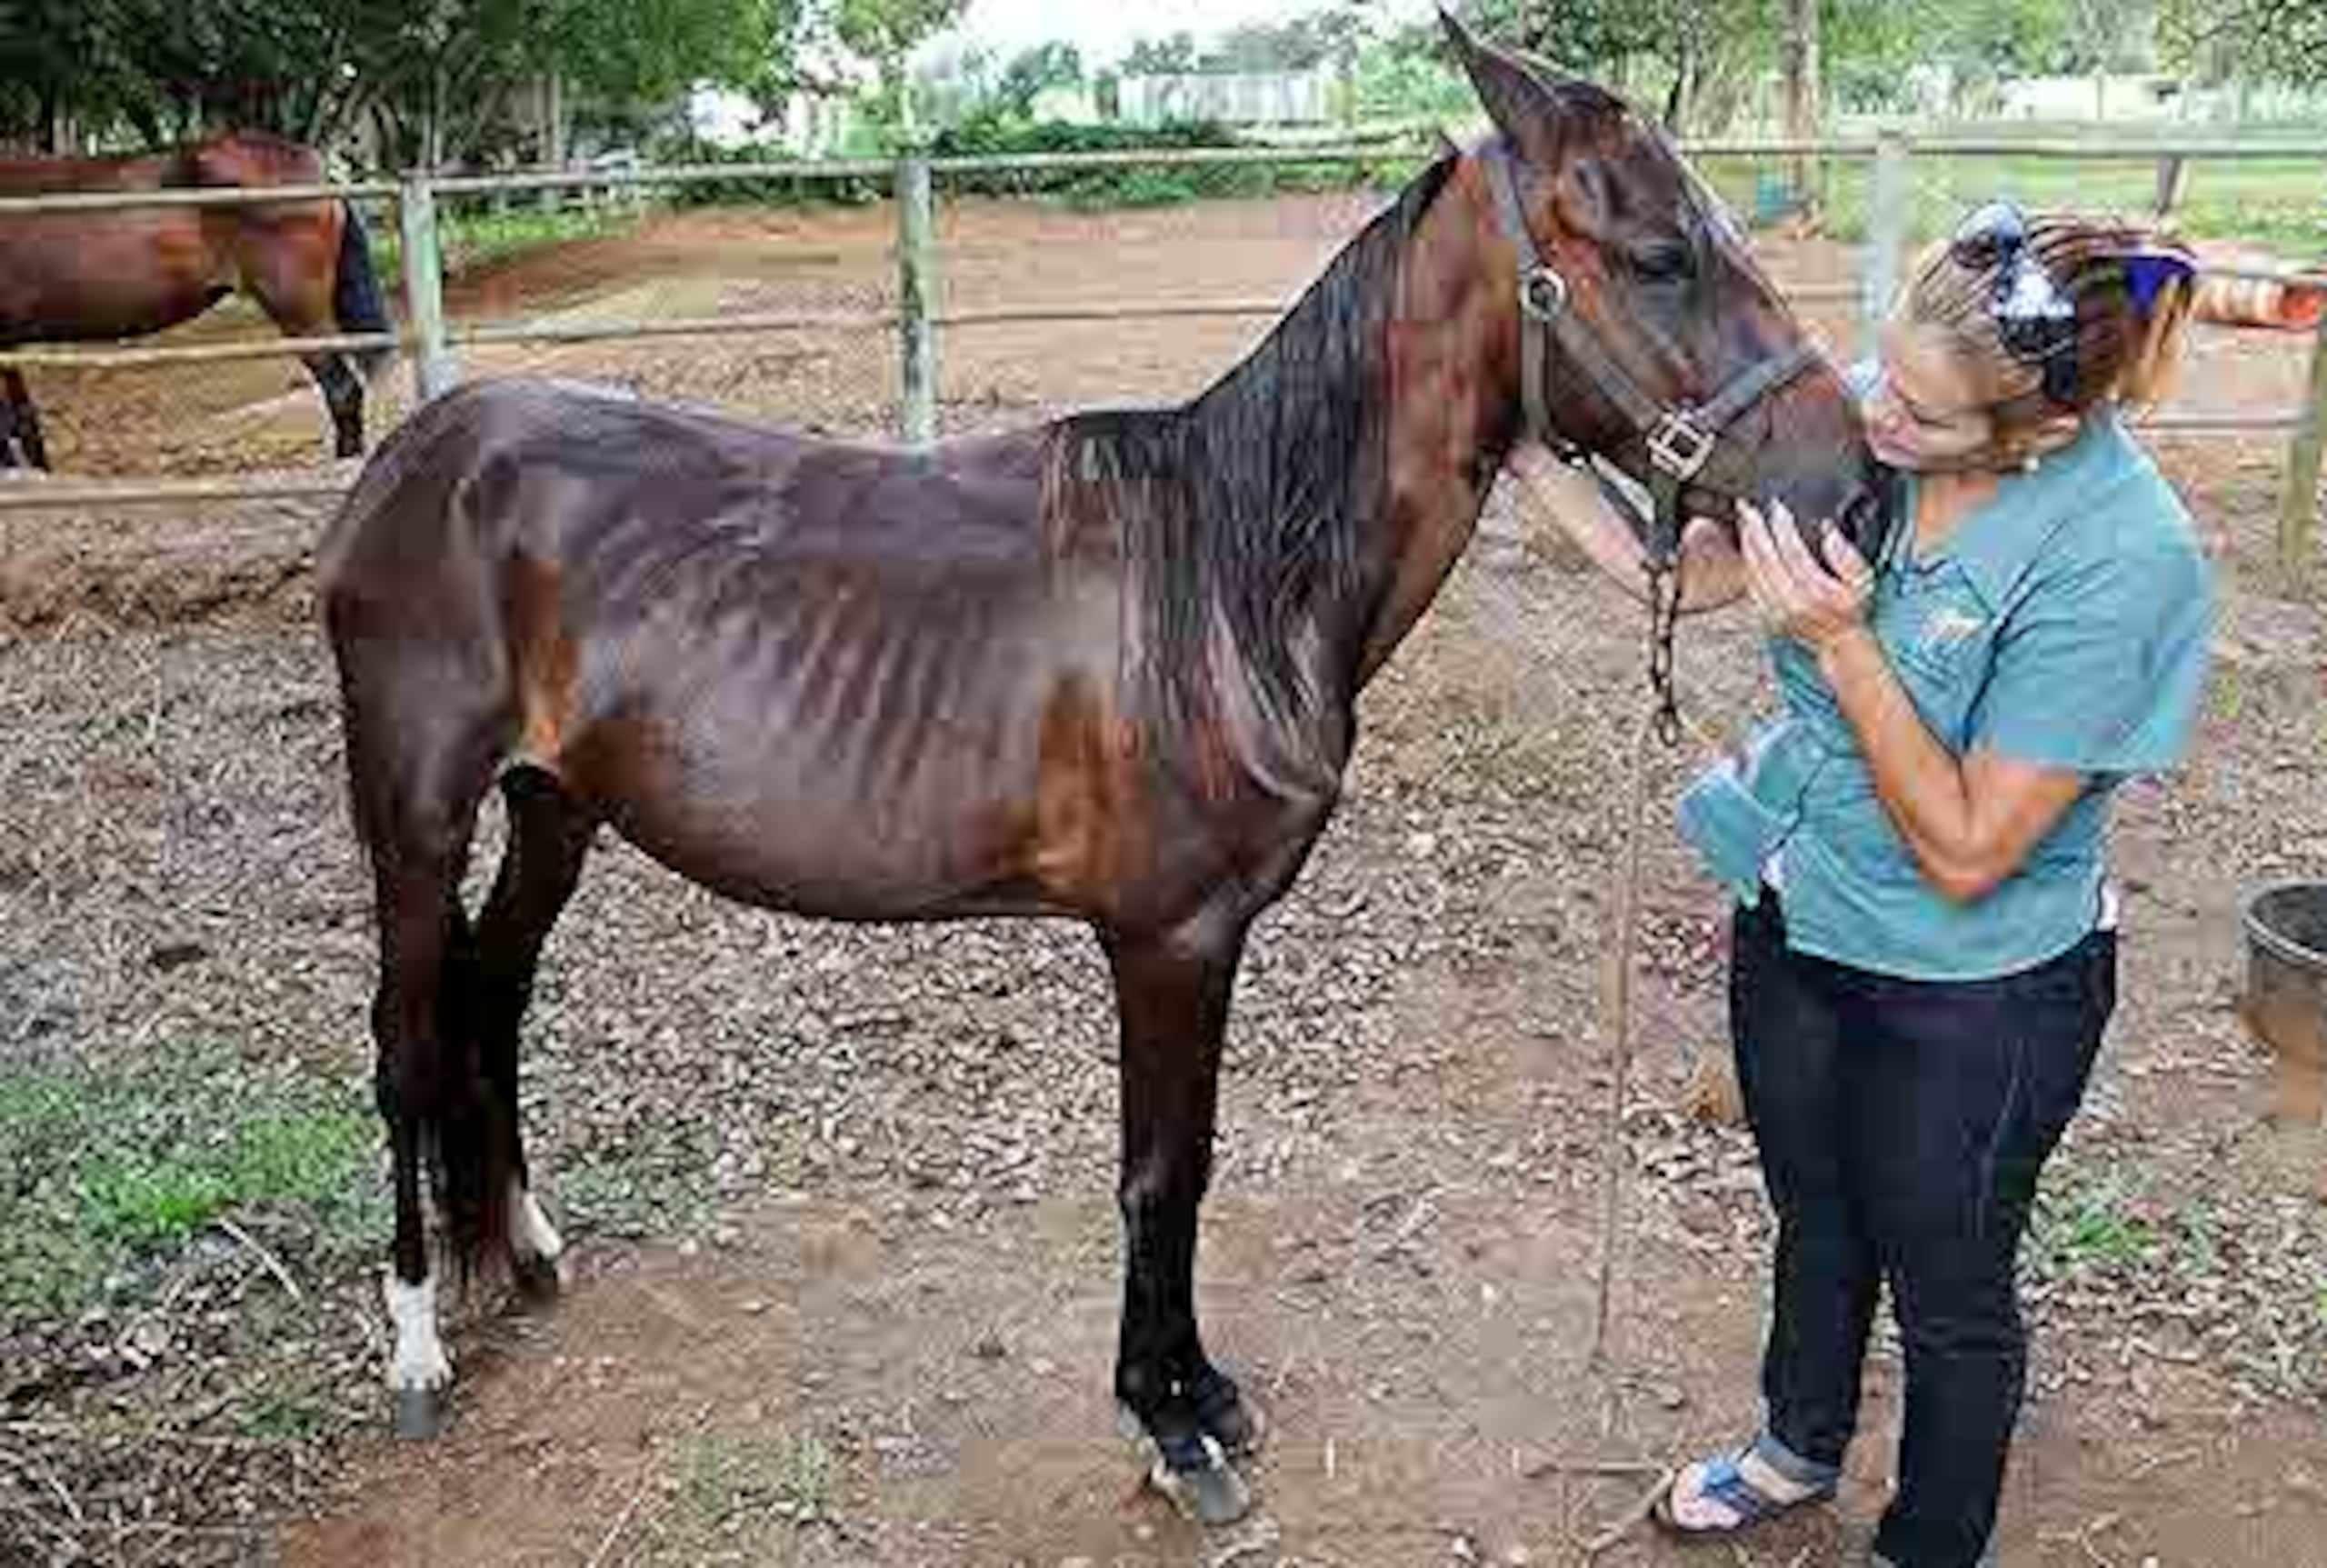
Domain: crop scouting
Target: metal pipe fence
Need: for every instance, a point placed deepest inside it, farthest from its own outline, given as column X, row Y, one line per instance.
column 430, row 339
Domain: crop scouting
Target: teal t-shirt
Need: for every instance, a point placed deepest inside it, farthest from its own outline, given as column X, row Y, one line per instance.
column 2067, row 622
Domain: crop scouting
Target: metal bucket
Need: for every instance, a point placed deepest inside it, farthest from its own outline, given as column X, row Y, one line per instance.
column 2285, row 1000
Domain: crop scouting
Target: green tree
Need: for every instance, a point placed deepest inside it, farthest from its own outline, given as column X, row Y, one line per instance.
column 2283, row 41
column 1172, row 56
column 886, row 31
column 1045, row 66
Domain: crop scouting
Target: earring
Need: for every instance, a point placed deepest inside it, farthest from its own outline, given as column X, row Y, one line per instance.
column 2031, row 464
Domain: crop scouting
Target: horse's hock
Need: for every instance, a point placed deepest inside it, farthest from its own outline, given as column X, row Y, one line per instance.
column 2284, row 1003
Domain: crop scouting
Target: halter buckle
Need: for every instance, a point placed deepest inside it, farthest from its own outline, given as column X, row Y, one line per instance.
column 1542, row 295
column 1679, row 445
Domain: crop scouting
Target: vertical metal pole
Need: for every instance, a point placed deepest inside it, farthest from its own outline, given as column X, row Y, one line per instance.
column 916, row 288
column 2299, row 509
column 432, row 370
column 1886, row 235
column 2173, row 174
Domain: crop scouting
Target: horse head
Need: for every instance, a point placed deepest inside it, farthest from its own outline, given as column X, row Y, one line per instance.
column 1642, row 335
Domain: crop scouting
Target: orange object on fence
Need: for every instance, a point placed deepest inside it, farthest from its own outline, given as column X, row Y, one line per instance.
column 2238, row 297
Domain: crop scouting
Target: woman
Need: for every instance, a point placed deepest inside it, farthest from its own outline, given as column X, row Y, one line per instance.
column 1923, row 952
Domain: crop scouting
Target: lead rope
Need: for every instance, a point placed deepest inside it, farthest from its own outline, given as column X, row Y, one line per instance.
column 1668, row 722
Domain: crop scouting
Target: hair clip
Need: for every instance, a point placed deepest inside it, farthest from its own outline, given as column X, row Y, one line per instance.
column 2148, row 271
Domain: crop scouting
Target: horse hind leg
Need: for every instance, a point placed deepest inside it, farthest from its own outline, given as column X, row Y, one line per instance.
column 20, row 434
column 417, row 778
column 549, row 836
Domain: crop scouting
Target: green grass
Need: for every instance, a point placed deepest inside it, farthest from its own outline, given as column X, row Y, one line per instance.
column 2281, row 203
column 473, row 236
column 741, row 1500
column 104, row 1172
column 2086, row 1225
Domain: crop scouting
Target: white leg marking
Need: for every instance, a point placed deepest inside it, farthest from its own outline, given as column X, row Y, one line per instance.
column 530, row 1233
column 419, row 1360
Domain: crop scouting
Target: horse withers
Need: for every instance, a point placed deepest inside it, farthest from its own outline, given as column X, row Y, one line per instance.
column 1103, row 669
column 126, row 272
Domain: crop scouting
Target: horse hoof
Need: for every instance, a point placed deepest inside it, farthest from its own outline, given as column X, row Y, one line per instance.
column 420, row 1413
column 1212, row 1494
column 540, row 1281
column 1192, row 1474
column 1227, row 1416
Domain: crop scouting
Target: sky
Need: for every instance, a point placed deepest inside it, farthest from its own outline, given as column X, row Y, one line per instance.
column 1104, row 30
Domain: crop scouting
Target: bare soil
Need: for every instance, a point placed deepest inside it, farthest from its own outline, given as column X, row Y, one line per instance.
column 845, row 1245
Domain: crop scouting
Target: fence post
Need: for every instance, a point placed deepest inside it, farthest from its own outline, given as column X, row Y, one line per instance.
column 1887, row 234
column 2173, row 176
column 432, row 370
column 915, row 289
column 2299, row 509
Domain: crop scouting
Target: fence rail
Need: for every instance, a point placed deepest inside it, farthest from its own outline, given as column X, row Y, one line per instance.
column 430, row 339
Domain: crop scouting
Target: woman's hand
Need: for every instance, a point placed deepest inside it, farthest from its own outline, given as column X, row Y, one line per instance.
column 1820, row 605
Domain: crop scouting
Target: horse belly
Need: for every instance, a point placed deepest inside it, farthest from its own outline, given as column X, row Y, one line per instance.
column 63, row 281
column 818, row 835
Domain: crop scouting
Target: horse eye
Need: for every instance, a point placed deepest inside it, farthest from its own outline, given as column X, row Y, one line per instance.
column 1664, row 263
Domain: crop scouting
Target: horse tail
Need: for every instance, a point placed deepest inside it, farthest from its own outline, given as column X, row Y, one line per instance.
column 470, row 1135
column 356, row 301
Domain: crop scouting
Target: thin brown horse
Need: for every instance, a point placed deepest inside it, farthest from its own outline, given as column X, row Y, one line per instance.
column 1103, row 669
column 115, row 272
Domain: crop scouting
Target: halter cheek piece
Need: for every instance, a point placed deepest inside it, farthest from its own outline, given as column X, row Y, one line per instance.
column 1685, row 448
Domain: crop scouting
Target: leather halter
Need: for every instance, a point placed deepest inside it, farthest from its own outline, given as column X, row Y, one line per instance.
column 1685, row 447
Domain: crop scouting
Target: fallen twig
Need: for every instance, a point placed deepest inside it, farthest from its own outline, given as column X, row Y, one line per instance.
column 273, row 1265
column 2159, row 1461
column 622, row 1522
column 1623, row 1524
column 1554, row 1465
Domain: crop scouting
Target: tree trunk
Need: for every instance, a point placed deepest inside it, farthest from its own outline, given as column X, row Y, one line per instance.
column 1804, row 112
column 554, row 131
column 432, row 120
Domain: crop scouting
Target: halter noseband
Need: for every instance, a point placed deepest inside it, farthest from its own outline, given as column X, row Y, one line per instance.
column 1686, row 445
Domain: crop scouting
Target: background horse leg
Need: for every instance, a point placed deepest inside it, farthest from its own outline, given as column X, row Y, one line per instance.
column 1172, row 996
column 21, row 426
column 343, row 392
column 549, row 835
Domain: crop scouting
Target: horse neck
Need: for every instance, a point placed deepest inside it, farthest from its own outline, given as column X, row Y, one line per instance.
column 1453, row 386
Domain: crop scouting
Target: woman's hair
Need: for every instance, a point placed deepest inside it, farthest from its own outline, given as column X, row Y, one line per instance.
column 2125, row 353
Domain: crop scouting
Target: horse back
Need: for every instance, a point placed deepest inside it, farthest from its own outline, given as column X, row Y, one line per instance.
column 221, row 161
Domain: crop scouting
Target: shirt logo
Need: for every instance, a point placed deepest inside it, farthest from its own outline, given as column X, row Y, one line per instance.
column 1949, row 627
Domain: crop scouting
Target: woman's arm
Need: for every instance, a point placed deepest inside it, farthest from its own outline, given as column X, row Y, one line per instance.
column 1712, row 570
column 1970, row 822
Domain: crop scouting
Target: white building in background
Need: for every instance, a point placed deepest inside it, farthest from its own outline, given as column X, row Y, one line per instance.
column 1274, row 99
column 2130, row 98
column 810, row 126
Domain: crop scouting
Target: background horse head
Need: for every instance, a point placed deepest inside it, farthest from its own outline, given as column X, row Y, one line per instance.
column 71, row 277
column 1104, row 668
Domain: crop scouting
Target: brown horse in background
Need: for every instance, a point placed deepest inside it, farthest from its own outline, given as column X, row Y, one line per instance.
column 1104, row 668
column 115, row 272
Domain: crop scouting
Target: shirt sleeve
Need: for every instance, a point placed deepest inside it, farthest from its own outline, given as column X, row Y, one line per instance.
column 2102, row 669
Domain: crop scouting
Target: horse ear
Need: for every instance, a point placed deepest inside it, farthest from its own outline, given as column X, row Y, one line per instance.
column 1522, row 105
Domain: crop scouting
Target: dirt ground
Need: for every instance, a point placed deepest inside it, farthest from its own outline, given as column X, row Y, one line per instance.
column 845, row 1245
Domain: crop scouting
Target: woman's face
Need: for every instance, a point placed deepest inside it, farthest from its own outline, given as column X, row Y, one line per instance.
column 1926, row 413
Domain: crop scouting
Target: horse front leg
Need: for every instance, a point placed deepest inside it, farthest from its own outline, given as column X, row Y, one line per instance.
column 1171, row 994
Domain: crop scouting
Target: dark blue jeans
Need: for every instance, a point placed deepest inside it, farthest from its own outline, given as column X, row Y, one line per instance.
column 1901, row 1125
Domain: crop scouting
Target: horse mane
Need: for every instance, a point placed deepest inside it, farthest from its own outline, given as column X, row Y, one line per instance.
column 1248, row 504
